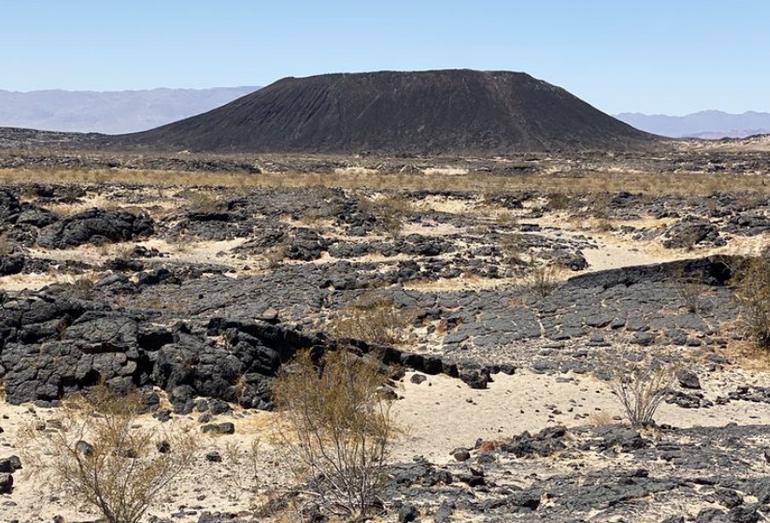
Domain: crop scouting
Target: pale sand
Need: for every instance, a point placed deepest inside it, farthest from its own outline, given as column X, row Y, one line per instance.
column 438, row 417
column 435, row 416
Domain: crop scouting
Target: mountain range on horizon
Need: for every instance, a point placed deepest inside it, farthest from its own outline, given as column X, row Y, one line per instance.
column 109, row 112
column 710, row 124
column 128, row 111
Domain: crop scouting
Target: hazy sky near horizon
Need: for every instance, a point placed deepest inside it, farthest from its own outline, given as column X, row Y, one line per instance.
column 654, row 56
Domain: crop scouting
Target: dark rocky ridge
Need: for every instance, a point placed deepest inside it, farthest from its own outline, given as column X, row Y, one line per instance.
column 437, row 112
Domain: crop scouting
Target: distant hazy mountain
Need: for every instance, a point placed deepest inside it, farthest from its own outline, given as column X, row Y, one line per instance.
column 705, row 124
column 111, row 112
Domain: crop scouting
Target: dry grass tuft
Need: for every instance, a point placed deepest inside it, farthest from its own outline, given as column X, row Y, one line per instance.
column 391, row 212
column 558, row 202
column 689, row 288
column 275, row 256
column 601, row 419
column 204, row 202
column 374, row 319
column 543, row 279
column 513, row 249
column 7, row 247
column 686, row 183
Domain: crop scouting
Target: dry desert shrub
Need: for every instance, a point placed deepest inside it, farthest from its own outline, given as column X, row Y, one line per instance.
column 6, row 246
column 506, row 219
column 598, row 206
column 391, row 212
column 96, row 452
column 274, row 256
column 374, row 319
column 640, row 387
column 339, row 430
column 558, row 202
column 689, row 289
column 601, row 419
column 329, row 208
column 204, row 202
column 752, row 291
column 543, row 279
column 82, row 286
column 244, row 465
column 513, row 249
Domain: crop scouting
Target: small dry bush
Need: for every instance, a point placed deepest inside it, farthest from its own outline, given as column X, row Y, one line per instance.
column 82, row 286
column 601, row 419
column 328, row 207
column 506, row 219
column 752, row 291
column 597, row 205
column 204, row 202
column 604, row 225
column 640, row 387
column 513, row 249
column 689, row 289
column 339, row 430
column 244, row 466
column 96, row 452
column 274, row 256
column 558, row 202
column 6, row 246
column 543, row 279
column 391, row 212
column 374, row 319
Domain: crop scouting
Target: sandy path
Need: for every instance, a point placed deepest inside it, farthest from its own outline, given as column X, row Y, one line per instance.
column 615, row 255
column 438, row 416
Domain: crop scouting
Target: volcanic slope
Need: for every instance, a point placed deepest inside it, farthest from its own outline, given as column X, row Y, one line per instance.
column 429, row 112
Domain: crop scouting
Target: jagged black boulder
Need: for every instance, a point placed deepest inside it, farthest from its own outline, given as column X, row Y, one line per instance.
column 95, row 226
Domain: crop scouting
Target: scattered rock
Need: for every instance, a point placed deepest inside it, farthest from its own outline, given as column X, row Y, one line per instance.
column 6, row 483
column 219, row 428
column 10, row 464
column 688, row 379
column 408, row 513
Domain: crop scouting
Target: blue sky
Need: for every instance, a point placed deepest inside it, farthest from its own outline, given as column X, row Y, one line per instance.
column 674, row 56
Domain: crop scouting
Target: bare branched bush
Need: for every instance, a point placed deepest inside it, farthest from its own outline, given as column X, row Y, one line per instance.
column 96, row 452
column 640, row 387
column 373, row 318
column 339, row 429
column 752, row 291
